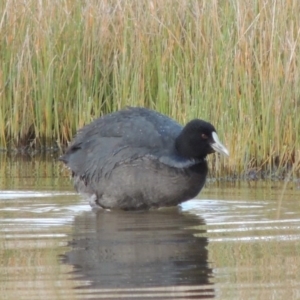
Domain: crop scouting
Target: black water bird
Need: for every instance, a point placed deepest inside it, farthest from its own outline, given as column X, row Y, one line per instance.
column 137, row 158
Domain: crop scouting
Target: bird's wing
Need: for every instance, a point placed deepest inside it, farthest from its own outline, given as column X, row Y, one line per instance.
column 119, row 137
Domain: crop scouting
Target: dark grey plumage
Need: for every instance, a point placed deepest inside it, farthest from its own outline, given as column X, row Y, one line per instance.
column 137, row 158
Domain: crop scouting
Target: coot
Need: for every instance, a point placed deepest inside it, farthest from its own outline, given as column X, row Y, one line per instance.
column 137, row 158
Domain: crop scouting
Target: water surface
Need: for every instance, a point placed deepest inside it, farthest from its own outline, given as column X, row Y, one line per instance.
column 235, row 241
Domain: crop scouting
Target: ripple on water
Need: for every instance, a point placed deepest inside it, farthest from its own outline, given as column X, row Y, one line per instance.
column 228, row 247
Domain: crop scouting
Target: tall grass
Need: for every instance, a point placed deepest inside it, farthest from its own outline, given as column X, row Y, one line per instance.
column 235, row 63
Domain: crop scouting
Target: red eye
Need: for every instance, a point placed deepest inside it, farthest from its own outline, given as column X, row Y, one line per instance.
column 204, row 136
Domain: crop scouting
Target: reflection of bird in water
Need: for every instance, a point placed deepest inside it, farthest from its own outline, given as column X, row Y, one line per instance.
column 140, row 249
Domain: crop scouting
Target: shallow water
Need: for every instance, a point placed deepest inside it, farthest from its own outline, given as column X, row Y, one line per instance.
column 236, row 241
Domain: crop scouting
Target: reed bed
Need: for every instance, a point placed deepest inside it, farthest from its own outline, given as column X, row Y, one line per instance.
column 234, row 63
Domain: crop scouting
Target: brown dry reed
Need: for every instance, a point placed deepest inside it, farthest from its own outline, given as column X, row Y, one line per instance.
column 234, row 63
